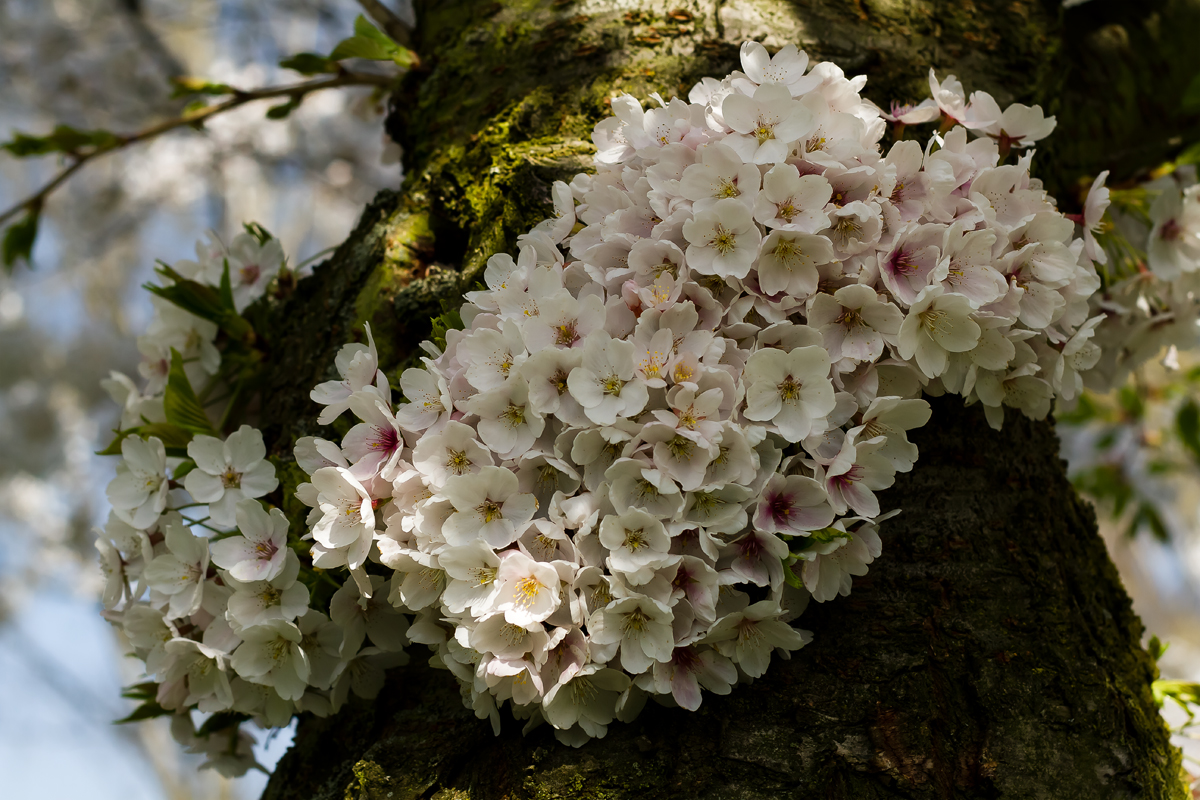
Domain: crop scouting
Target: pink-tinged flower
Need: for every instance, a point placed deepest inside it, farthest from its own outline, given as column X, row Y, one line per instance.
column 691, row 668
column 855, row 322
column 908, row 267
column 258, row 553
column 793, row 505
column 856, row 474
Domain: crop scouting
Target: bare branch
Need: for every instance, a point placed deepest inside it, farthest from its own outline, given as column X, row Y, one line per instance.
column 392, row 25
column 194, row 118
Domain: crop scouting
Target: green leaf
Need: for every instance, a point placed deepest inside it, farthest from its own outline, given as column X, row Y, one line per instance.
column 371, row 43
column 183, row 469
column 283, row 110
column 1147, row 516
column 1191, row 96
column 222, row 720
column 792, row 579
column 180, row 403
column 449, row 320
column 63, row 139
column 188, row 86
column 203, row 301
column 261, row 234
column 1156, row 648
column 1189, row 156
column 147, row 710
column 1187, row 421
column 309, row 64
column 18, row 241
column 140, row 691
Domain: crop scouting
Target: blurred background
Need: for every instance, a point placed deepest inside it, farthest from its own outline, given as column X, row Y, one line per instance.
column 71, row 316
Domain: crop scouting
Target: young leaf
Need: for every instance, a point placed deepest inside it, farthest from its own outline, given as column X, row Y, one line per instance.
column 220, row 721
column 283, row 110
column 309, row 64
column 147, row 710
column 188, row 86
column 180, row 403
column 371, row 43
column 1188, row 423
column 18, row 241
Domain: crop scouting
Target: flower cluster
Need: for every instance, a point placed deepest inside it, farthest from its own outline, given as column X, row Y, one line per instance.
column 665, row 423
column 659, row 433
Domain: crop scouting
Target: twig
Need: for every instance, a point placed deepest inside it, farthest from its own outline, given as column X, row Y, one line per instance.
column 396, row 28
column 194, row 118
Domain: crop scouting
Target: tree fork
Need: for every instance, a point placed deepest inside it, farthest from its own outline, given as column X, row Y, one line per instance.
column 991, row 651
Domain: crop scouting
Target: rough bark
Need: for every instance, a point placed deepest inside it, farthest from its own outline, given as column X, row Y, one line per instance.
column 991, row 652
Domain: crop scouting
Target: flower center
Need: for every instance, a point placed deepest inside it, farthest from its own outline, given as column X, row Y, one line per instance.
column 514, row 415
column 635, row 622
column 789, row 390
column 559, row 381
column 457, row 462
column 727, row 188
column 850, row 317
column 612, row 385
column 565, row 334
column 787, row 209
column 231, row 479
column 635, row 540
column 1170, row 231
column 724, row 241
column 786, row 252
column 527, row 591
column 490, row 511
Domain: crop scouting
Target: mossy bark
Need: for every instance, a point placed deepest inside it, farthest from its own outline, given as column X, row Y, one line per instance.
column 991, row 652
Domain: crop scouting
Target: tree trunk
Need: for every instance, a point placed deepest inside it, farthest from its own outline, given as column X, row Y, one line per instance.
column 991, row 651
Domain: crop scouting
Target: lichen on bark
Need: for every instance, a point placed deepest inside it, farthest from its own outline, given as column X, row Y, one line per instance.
column 991, row 651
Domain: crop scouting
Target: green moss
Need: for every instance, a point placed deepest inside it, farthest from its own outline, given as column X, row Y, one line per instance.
column 370, row 783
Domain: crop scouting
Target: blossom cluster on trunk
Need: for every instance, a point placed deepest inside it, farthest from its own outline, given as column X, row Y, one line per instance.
column 660, row 433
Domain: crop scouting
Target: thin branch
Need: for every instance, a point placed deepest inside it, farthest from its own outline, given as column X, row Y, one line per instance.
column 396, row 28
column 239, row 97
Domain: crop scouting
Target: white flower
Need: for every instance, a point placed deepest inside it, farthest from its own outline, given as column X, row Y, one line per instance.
column 360, row 617
column 765, row 125
column 937, row 324
column 139, row 492
column 789, row 200
column 527, row 591
column 281, row 597
column 691, row 668
column 491, row 355
column 488, row 506
column 719, row 175
column 1020, row 126
column 179, row 574
column 1094, row 208
column 856, row 474
column 749, row 636
column 722, row 240
column 472, row 569
column 508, row 423
column 199, row 673
column 430, row 396
column 375, row 444
column 358, row 366
column 1078, row 355
column 640, row 625
column 793, row 505
column 788, row 260
column 637, row 544
column 347, row 514
column 828, row 573
column 586, row 697
column 893, row 417
column 908, row 268
column 633, row 483
column 790, row 390
column 455, row 451
column 270, row 654
column 1174, row 246
column 786, row 67
column 605, row 384
column 854, row 322
column 258, row 553
column 228, row 472
column 968, row 264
